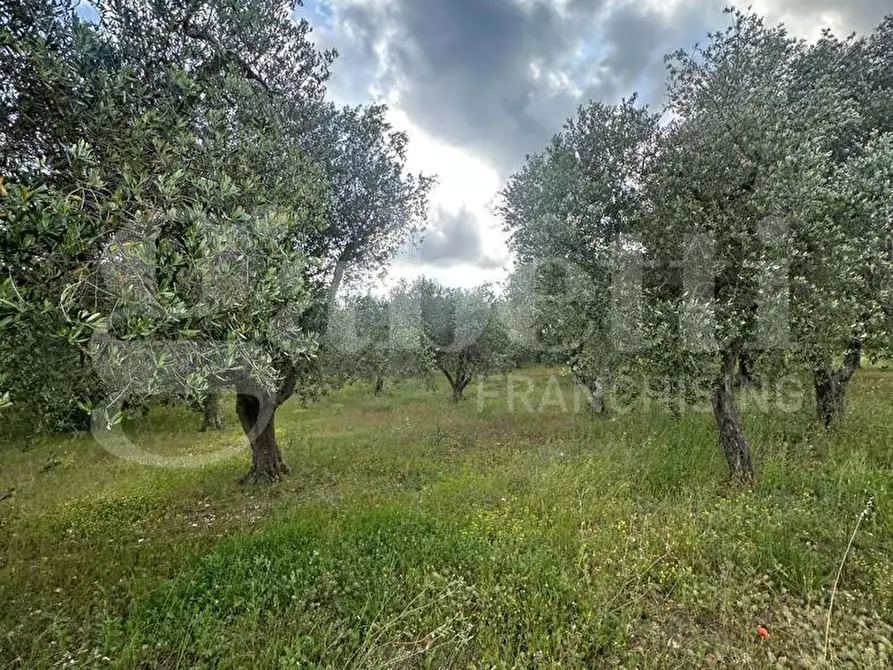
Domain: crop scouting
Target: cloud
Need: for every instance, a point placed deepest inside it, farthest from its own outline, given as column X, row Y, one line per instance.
column 499, row 77
column 807, row 17
column 485, row 82
column 454, row 239
column 476, row 73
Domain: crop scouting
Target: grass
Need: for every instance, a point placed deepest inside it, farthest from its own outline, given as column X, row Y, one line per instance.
column 418, row 534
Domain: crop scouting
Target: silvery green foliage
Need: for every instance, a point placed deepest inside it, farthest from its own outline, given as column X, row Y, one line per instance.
column 754, row 220
column 569, row 212
column 763, row 161
column 169, row 240
column 863, row 67
column 459, row 330
column 370, row 338
column 708, row 237
column 374, row 206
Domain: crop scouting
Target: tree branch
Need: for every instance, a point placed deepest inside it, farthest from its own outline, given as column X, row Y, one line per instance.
column 226, row 55
column 287, row 389
column 448, row 376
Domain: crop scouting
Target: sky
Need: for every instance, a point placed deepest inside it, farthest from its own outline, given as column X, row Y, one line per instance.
column 478, row 84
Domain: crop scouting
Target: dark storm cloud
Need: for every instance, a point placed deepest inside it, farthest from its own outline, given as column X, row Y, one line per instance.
column 467, row 68
column 483, row 74
column 499, row 77
column 638, row 38
column 454, row 239
column 464, row 69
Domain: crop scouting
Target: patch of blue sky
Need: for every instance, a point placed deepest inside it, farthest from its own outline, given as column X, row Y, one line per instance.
column 317, row 12
column 87, row 12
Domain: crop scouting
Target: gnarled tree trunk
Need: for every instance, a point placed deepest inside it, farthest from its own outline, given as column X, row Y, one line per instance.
column 831, row 386
column 458, row 382
column 594, row 386
column 378, row 385
column 211, row 412
column 728, row 422
column 257, row 413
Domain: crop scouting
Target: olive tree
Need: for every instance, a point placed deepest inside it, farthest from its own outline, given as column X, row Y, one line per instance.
column 773, row 232
column 182, row 184
column 177, row 242
column 460, row 330
column 367, row 340
column 569, row 212
column 734, row 231
column 375, row 206
column 862, row 68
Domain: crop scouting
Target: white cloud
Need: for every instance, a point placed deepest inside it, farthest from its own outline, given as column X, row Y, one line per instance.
column 464, row 182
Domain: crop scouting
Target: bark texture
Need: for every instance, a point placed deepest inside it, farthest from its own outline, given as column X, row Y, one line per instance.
column 257, row 413
column 831, row 386
column 594, row 386
column 728, row 422
column 211, row 413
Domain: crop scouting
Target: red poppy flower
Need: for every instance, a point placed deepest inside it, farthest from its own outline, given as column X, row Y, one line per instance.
column 763, row 632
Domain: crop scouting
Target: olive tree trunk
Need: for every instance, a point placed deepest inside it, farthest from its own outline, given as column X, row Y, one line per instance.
column 257, row 414
column 458, row 382
column 831, row 386
column 728, row 423
column 745, row 370
column 595, row 388
column 211, row 412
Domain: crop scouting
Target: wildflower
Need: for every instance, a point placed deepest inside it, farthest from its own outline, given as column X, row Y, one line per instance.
column 763, row 632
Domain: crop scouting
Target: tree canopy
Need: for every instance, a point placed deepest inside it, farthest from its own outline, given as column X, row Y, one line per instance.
column 753, row 221
column 174, row 215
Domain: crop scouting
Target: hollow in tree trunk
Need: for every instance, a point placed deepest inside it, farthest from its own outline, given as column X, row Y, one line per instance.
column 728, row 422
column 257, row 415
column 831, row 386
column 211, row 412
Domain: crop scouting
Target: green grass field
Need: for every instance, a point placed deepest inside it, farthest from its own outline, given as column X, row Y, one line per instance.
column 414, row 533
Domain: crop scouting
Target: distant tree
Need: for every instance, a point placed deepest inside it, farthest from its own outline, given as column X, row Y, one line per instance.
column 210, row 406
column 569, row 211
column 461, row 331
column 365, row 342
